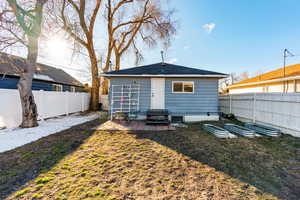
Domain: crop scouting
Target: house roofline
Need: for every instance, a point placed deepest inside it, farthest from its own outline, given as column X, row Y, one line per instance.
column 3, row 75
column 263, row 82
column 162, row 75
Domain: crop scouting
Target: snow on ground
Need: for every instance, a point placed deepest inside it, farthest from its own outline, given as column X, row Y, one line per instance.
column 13, row 138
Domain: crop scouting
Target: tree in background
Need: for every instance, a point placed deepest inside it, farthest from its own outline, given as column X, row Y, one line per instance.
column 77, row 19
column 134, row 22
column 21, row 23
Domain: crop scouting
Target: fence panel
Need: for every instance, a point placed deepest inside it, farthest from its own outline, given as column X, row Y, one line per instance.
column 49, row 104
column 281, row 110
column 105, row 102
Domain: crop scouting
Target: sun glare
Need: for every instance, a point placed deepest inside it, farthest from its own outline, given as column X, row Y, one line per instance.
column 57, row 47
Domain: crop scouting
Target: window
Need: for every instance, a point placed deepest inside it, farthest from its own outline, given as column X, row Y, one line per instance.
column 57, row 88
column 183, row 87
column 72, row 89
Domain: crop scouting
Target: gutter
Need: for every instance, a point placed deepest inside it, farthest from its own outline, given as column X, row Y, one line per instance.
column 268, row 81
column 173, row 75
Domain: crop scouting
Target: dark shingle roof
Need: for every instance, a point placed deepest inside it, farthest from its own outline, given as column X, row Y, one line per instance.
column 44, row 72
column 164, row 69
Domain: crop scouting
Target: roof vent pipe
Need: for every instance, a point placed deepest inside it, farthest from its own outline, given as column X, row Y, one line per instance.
column 162, row 58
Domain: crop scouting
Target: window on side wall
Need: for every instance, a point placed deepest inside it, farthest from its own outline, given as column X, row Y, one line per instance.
column 72, row 89
column 183, row 86
column 57, row 88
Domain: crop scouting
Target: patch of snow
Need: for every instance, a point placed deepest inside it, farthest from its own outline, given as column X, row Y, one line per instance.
column 16, row 137
column 42, row 77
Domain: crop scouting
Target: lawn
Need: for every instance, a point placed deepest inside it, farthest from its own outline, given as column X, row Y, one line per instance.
column 189, row 163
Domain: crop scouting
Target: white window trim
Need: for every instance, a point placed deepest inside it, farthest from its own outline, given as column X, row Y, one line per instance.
column 58, row 85
column 192, row 82
column 72, row 89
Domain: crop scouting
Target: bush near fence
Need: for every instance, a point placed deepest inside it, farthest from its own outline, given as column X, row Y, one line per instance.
column 281, row 110
column 49, row 104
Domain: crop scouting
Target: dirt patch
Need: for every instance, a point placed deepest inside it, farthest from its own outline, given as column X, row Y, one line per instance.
column 183, row 164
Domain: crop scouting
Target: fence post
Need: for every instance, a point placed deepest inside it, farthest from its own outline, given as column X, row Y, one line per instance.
column 41, row 102
column 230, row 104
column 67, row 102
column 254, row 108
column 82, row 102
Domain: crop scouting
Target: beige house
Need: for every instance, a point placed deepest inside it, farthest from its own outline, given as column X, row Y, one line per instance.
column 280, row 80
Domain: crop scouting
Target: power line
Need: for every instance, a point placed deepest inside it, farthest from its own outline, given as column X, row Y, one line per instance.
column 64, row 67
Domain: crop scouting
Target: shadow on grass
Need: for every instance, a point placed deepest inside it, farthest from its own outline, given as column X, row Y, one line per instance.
column 270, row 164
column 25, row 163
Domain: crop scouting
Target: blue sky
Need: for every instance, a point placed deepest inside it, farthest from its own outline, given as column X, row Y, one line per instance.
column 221, row 35
column 248, row 35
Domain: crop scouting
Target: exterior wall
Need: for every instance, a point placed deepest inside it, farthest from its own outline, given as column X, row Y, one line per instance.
column 12, row 82
column 198, row 104
column 203, row 100
column 145, row 89
column 292, row 86
column 246, row 90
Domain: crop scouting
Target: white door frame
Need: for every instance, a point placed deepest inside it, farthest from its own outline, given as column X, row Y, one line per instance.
column 157, row 93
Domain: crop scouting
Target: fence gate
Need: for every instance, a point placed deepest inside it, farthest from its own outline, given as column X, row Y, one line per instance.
column 125, row 99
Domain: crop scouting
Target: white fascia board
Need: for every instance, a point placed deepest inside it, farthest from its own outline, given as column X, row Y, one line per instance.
column 268, row 81
column 173, row 75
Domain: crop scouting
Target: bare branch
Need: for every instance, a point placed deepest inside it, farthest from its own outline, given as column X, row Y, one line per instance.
column 67, row 27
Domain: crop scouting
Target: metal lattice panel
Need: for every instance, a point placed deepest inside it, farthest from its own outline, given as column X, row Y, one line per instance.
column 125, row 99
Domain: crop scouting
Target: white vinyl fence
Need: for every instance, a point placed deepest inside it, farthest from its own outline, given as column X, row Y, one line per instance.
column 105, row 102
column 49, row 104
column 281, row 110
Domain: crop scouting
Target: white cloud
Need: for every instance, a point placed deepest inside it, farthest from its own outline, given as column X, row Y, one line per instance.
column 173, row 60
column 209, row 27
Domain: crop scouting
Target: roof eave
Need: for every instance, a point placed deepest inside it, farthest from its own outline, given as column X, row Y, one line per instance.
column 168, row 75
column 264, row 82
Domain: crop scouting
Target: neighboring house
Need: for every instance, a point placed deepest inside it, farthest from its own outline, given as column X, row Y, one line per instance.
column 46, row 78
column 279, row 80
column 189, row 93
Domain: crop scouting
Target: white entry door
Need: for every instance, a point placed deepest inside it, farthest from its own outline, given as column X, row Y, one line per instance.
column 157, row 93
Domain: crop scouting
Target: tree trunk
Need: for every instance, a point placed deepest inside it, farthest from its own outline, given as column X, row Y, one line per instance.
column 29, row 110
column 107, row 62
column 118, row 61
column 95, row 81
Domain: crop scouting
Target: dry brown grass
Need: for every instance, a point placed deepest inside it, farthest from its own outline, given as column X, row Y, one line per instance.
column 183, row 164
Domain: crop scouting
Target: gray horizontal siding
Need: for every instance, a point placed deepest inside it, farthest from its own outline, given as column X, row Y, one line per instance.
column 145, row 89
column 203, row 100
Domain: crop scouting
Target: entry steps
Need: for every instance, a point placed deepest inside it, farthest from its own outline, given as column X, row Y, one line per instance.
column 158, row 117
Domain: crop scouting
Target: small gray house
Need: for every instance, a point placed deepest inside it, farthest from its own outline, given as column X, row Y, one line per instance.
column 187, row 93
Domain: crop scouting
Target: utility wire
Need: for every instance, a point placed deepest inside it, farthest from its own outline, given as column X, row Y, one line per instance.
column 64, row 67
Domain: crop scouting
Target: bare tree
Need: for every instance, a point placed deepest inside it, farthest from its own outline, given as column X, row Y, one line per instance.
column 130, row 22
column 244, row 76
column 22, row 24
column 235, row 78
column 77, row 19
